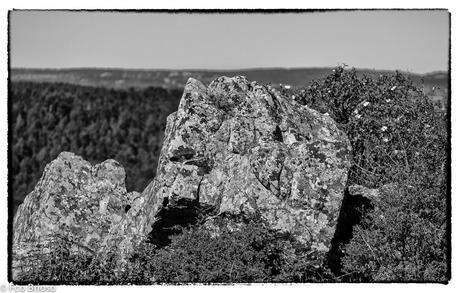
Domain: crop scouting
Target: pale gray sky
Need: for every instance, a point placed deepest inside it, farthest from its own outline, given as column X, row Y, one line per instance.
column 416, row 41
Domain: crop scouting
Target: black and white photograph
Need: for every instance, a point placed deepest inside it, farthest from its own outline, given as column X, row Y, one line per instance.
column 241, row 146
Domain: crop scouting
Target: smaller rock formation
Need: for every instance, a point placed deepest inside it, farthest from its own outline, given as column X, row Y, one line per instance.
column 374, row 194
column 366, row 192
column 85, row 205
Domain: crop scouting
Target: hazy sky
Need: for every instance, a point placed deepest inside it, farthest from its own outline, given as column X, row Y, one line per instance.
column 416, row 41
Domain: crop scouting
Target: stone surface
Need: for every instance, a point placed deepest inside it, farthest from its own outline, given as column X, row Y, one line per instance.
column 370, row 193
column 374, row 194
column 84, row 205
column 235, row 148
column 240, row 148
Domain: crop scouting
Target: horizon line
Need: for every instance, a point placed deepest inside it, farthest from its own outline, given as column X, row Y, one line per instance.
column 228, row 70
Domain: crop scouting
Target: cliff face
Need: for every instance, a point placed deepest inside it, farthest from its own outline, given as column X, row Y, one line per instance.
column 234, row 148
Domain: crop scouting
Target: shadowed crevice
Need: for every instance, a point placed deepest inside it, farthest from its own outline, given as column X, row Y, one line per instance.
column 277, row 134
column 173, row 216
column 351, row 213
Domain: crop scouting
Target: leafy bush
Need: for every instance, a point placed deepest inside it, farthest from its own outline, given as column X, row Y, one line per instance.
column 53, row 261
column 392, row 125
column 402, row 239
column 251, row 253
column 398, row 140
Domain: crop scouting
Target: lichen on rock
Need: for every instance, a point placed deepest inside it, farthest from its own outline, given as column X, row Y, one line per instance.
column 84, row 205
column 243, row 148
column 234, row 148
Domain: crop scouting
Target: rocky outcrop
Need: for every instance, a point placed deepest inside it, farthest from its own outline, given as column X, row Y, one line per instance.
column 240, row 148
column 83, row 205
column 234, row 148
column 366, row 192
column 374, row 194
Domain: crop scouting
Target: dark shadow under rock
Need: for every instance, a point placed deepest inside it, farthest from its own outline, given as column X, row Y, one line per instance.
column 174, row 216
column 351, row 213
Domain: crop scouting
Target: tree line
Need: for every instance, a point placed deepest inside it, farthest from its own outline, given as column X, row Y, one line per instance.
column 95, row 123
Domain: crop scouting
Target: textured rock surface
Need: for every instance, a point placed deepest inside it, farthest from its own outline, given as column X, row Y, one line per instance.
column 243, row 149
column 369, row 193
column 374, row 194
column 234, row 148
column 84, row 205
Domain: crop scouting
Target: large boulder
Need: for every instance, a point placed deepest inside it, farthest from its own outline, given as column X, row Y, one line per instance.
column 235, row 148
column 239, row 148
column 85, row 206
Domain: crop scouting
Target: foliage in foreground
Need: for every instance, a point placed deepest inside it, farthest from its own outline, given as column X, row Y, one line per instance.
column 399, row 141
column 252, row 253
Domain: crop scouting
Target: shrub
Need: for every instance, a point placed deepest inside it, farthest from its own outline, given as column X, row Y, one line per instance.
column 402, row 239
column 392, row 125
column 53, row 261
column 251, row 253
column 399, row 140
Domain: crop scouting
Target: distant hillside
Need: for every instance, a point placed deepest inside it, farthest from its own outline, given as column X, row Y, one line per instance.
column 125, row 78
column 434, row 84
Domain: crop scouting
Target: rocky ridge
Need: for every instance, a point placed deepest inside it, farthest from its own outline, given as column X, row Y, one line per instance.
column 233, row 148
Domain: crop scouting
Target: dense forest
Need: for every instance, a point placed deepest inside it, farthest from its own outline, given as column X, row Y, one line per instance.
column 95, row 123
column 400, row 144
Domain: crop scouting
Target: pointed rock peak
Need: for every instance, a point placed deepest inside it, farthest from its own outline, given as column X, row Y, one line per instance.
column 225, row 80
column 68, row 156
column 112, row 171
column 194, row 85
column 227, row 85
column 194, row 93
